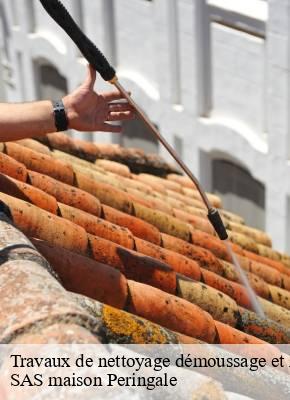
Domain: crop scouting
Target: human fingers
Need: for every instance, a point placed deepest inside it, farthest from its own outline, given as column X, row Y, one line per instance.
column 114, row 107
column 106, row 127
column 120, row 116
column 113, row 95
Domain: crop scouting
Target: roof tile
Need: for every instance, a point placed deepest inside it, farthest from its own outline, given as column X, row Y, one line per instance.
column 35, row 222
column 98, row 281
column 40, row 162
column 64, row 193
column 11, row 167
column 23, row 191
column 171, row 312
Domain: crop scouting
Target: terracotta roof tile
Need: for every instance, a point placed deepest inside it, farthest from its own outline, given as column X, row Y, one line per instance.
column 140, row 243
column 40, row 162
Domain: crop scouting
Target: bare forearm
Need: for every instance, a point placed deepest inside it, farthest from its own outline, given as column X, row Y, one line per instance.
column 23, row 120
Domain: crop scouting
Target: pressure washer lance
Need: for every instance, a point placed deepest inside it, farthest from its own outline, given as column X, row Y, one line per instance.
column 95, row 57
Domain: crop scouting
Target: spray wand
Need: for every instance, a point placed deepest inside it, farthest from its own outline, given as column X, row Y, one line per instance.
column 95, row 57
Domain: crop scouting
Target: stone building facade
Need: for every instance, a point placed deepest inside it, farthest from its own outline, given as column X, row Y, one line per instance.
column 213, row 75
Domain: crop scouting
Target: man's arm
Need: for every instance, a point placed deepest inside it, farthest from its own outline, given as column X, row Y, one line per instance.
column 86, row 111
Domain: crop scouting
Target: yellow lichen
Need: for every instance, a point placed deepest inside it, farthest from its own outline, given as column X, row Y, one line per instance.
column 135, row 329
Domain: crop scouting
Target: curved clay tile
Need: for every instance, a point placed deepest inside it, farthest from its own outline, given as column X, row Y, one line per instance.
column 134, row 265
column 271, row 263
column 228, row 335
column 139, row 228
column 275, row 312
column 65, row 193
column 34, row 145
column 245, row 242
column 11, row 167
column 165, row 223
column 197, row 222
column 41, row 163
column 255, row 234
column 35, row 222
column 178, row 262
column 171, row 312
column 105, row 193
column 263, row 328
column 220, row 306
column 267, row 273
column 98, row 281
column 182, row 180
column 121, row 327
column 115, row 167
column 28, row 193
column 97, row 226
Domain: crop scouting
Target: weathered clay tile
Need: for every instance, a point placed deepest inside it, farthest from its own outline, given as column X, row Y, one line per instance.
column 275, row 312
column 263, row 328
column 65, row 193
column 26, row 192
column 155, row 185
column 220, row 306
column 40, row 163
column 165, row 223
column 245, row 242
column 232, row 289
column 203, row 257
column 171, row 312
column 257, row 235
column 280, row 296
column 115, row 167
column 134, row 265
column 259, row 286
column 232, row 217
column 269, row 274
column 124, row 328
column 264, row 260
column 285, row 260
column 75, row 161
column 138, row 227
column 77, row 147
column 165, row 183
column 229, row 271
column 228, row 335
column 35, row 222
column 196, row 211
column 267, row 252
column 182, row 180
column 152, row 202
column 191, row 193
column 178, row 262
column 211, row 243
column 190, row 201
column 97, row 226
column 41, row 297
column 12, row 168
column 34, row 145
column 82, row 275
column 105, row 193
column 197, row 222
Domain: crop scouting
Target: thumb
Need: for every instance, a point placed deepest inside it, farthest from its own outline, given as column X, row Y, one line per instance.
column 90, row 78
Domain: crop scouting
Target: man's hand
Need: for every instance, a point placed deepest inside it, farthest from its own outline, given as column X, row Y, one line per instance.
column 89, row 111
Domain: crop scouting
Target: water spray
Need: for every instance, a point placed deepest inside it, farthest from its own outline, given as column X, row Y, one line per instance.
column 99, row 62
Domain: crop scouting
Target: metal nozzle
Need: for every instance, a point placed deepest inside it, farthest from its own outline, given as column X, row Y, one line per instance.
column 217, row 223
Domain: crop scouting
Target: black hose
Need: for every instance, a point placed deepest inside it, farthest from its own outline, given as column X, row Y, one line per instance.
column 92, row 54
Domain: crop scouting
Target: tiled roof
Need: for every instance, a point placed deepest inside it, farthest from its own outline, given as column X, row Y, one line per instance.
column 137, row 249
